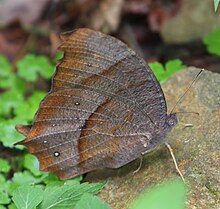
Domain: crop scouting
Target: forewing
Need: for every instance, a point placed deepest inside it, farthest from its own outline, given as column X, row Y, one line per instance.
column 103, row 64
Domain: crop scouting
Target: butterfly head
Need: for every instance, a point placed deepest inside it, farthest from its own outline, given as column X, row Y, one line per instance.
column 171, row 120
column 161, row 133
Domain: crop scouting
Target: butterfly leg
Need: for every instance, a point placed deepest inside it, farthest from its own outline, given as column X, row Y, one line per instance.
column 140, row 164
column 174, row 160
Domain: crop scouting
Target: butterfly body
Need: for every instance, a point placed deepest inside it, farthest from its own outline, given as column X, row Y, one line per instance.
column 104, row 109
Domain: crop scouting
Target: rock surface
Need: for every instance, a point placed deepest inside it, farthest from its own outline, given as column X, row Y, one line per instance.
column 196, row 148
column 195, row 19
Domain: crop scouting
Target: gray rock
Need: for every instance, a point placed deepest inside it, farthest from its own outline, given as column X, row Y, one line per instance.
column 196, row 148
column 195, row 19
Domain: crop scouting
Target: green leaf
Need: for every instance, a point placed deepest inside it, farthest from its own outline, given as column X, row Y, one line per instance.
column 4, row 184
column 5, row 67
column 158, row 69
column 8, row 79
column 27, row 197
column 32, row 164
column 12, row 206
column 10, row 100
column 2, row 207
column 4, row 166
column 169, row 195
column 89, row 201
column 212, row 42
column 216, row 3
column 53, row 180
column 164, row 73
column 8, row 134
column 66, row 196
column 14, row 83
column 74, row 180
column 27, row 110
column 23, row 178
column 31, row 65
column 173, row 66
column 57, row 57
column 4, row 197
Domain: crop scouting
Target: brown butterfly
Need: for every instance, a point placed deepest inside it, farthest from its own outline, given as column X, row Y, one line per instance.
column 105, row 108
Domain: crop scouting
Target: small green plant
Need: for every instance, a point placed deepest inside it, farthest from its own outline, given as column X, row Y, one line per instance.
column 212, row 42
column 164, row 72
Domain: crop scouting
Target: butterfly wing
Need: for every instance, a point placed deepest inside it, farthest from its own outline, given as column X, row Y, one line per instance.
column 103, row 101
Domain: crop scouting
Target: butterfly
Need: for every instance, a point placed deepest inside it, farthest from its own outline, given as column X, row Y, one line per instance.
column 105, row 108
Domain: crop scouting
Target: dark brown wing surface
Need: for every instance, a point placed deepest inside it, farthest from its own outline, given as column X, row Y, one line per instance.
column 103, row 97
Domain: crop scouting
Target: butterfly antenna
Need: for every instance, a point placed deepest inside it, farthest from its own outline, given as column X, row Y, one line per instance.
column 188, row 88
column 174, row 160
